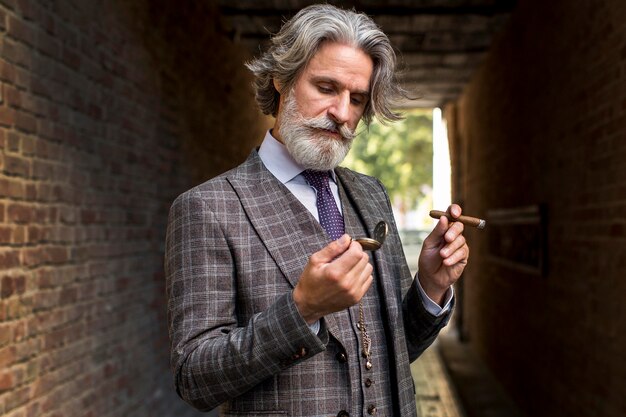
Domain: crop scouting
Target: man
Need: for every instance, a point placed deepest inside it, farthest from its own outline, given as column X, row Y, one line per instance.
column 273, row 310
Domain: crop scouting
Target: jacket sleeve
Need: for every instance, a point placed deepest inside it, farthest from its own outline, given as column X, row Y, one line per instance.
column 214, row 357
column 420, row 326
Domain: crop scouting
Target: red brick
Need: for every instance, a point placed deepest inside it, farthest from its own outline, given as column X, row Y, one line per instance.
column 20, row 213
column 18, row 237
column 26, row 9
column 29, row 145
column 16, row 165
column 19, row 331
column 71, row 58
column 6, row 334
column 6, row 381
column 17, row 398
column 42, row 170
column 48, row 45
column 89, row 217
column 6, row 233
column 68, row 296
column 23, row 77
column 40, row 88
column 32, row 257
column 6, row 287
column 20, row 30
column 13, row 142
column 7, row 356
column 13, row 96
column 9, row 259
column 18, row 54
column 7, row 116
column 54, row 339
column 57, row 255
column 12, row 188
column 25, row 122
column 7, row 72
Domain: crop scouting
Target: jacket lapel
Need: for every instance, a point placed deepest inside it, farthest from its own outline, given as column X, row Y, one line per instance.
column 371, row 211
column 286, row 228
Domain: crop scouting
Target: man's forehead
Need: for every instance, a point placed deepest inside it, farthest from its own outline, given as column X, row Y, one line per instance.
column 342, row 64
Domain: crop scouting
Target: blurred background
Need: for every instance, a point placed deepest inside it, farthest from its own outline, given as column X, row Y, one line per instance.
column 111, row 108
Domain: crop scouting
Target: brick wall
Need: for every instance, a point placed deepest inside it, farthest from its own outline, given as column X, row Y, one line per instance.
column 544, row 121
column 108, row 110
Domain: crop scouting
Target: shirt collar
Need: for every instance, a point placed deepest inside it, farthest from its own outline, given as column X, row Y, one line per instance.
column 279, row 161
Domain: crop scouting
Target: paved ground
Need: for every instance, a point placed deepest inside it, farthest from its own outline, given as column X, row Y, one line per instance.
column 435, row 394
column 478, row 390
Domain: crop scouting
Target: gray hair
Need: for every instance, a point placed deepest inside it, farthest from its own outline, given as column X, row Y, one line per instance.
column 299, row 40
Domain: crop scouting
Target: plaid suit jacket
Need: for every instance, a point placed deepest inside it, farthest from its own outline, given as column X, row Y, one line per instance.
column 235, row 248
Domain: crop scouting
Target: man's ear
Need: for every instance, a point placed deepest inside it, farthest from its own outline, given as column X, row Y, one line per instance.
column 277, row 85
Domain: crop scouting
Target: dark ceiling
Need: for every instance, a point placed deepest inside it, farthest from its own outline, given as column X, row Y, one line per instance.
column 440, row 42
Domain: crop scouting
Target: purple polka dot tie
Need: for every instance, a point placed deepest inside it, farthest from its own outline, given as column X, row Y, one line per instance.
column 329, row 215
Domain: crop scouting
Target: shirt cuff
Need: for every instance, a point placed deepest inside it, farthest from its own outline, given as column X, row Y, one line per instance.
column 431, row 306
column 315, row 327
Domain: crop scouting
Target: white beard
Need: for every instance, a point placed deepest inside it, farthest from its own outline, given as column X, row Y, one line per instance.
column 310, row 147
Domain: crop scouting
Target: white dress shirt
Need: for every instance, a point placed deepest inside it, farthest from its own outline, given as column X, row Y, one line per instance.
column 279, row 162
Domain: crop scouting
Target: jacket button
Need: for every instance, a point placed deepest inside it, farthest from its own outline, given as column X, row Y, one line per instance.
column 300, row 354
column 371, row 410
column 341, row 357
column 343, row 413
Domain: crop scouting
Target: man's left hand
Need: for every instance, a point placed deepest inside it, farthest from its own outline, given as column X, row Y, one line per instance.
column 443, row 257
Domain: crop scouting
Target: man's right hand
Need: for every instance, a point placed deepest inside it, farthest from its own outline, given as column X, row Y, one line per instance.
column 335, row 278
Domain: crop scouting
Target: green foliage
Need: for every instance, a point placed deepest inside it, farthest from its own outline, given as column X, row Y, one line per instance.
column 400, row 155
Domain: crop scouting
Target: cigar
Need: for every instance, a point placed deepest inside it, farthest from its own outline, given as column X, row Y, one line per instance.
column 466, row 220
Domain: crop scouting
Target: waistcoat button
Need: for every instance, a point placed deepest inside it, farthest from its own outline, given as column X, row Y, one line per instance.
column 368, row 382
column 371, row 410
column 343, row 413
column 341, row 357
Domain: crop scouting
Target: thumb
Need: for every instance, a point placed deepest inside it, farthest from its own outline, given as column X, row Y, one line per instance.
column 435, row 237
column 333, row 249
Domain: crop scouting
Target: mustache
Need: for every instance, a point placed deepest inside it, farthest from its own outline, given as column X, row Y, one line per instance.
column 323, row 122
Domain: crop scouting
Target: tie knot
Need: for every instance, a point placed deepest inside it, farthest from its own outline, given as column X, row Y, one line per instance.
column 316, row 179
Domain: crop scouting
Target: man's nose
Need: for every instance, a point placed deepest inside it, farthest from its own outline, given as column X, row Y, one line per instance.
column 339, row 111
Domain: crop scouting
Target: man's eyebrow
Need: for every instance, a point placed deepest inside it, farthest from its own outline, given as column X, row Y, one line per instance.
column 334, row 82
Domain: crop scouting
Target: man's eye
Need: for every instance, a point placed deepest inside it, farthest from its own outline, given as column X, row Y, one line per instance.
column 357, row 100
column 325, row 90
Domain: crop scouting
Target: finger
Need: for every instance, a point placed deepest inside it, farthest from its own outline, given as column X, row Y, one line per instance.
column 459, row 256
column 347, row 267
column 332, row 250
column 364, row 281
column 366, row 284
column 356, row 263
column 454, row 210
column 451, row 247
column 454, row 231
column 365, row 268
